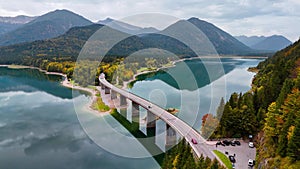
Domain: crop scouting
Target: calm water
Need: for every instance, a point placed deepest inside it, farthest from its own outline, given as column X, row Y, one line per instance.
column 197, row 86
column 39, row 126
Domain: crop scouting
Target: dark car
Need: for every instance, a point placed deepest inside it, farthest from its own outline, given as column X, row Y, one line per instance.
column 238, row 143
column 232, row 159
column 220, row 143
column 194, row 141
column 226, row 142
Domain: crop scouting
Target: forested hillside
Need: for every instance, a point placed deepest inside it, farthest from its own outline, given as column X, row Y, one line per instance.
column 271, row 110
column 181, row 157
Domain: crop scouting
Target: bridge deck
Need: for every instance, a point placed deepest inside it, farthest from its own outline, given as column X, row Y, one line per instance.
column 179, row 125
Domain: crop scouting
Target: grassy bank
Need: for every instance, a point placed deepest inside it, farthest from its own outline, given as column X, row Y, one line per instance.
column 223, row 158
column 99, row 104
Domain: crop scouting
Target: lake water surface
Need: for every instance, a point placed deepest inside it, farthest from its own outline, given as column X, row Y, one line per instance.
column 39, row 126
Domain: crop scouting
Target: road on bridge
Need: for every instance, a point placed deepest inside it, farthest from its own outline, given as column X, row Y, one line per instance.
column 177, row 124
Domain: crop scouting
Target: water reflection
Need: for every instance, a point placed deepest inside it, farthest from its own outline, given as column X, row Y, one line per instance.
column 31, row 80
column 39, row 127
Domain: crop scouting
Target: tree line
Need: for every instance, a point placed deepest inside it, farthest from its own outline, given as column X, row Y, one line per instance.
column 270, row 110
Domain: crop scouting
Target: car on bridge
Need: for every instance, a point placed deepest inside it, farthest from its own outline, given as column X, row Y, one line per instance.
column 194, row 141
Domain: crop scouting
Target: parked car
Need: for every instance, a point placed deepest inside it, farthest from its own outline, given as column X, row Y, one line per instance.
column 220, row 143
column 238, row 143
column 251, row 144
column 251, row 163
column 232, row 159
column 194, row 141
column 226, row 142
column 232, row 143
column 233, row 165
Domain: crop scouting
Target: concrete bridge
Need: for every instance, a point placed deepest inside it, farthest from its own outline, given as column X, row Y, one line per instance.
column 174, row 124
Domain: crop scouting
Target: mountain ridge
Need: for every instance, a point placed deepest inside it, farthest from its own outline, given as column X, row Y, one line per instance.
column 21, row 19
column 229, row 45
column 266, row 43
column 47, row 26
column 126, row 27
column 273, row 43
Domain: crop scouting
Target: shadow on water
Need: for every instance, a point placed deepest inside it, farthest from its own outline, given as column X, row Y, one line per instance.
column 149, row 143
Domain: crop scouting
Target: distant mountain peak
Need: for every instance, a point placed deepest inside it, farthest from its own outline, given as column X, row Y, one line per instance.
column 223, row 41
column 20, row 19
column 49, row 25
column 126, row 27
column 61, row 14
column 266, row 43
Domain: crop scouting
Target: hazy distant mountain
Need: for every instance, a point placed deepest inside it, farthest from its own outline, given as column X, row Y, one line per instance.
column 8, row 27
column 67, row 46
column 46, row 26
column 127, row 28
column 250, row 41
column 16, row 20
column 272, row 43
column 222, row 41
column 8, row 24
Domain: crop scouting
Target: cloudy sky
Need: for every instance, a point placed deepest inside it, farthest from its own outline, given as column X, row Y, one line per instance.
column 238, row 17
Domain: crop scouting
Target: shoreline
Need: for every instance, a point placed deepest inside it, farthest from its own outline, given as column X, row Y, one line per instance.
column 66, row 83
column 173, row 63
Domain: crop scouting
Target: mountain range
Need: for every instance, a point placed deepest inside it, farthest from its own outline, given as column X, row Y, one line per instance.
column 8, row 24
column 43, row 27
column 61, row 34
column 270, row 43
column 127, row 28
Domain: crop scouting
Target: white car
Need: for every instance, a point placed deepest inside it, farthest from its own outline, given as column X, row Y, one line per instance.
column 251, row 145
column 250, row 163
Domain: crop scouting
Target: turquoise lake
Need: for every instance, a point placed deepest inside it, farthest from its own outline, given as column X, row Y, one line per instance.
column 39, row 126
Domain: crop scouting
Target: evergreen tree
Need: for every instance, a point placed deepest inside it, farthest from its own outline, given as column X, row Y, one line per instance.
column 215, row 164
column 270, row 127
column 293, row 149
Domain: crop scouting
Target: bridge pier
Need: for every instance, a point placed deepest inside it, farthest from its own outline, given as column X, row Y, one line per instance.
column 123, row 101
column 135, row 112
column 151, row 120
column 151, row 125
column 123, row 112
column 107, row 90
column 170, row 137
column 113, row 95
column 102, row 86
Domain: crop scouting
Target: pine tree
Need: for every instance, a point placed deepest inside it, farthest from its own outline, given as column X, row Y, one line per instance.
column 215, row 164
column 270, row 127
column 293, row 149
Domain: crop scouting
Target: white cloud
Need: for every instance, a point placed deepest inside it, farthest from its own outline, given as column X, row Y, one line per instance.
column 236, row 16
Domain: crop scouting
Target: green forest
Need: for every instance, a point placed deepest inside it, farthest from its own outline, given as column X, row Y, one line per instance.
column 270, row 111
column 181, row 157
